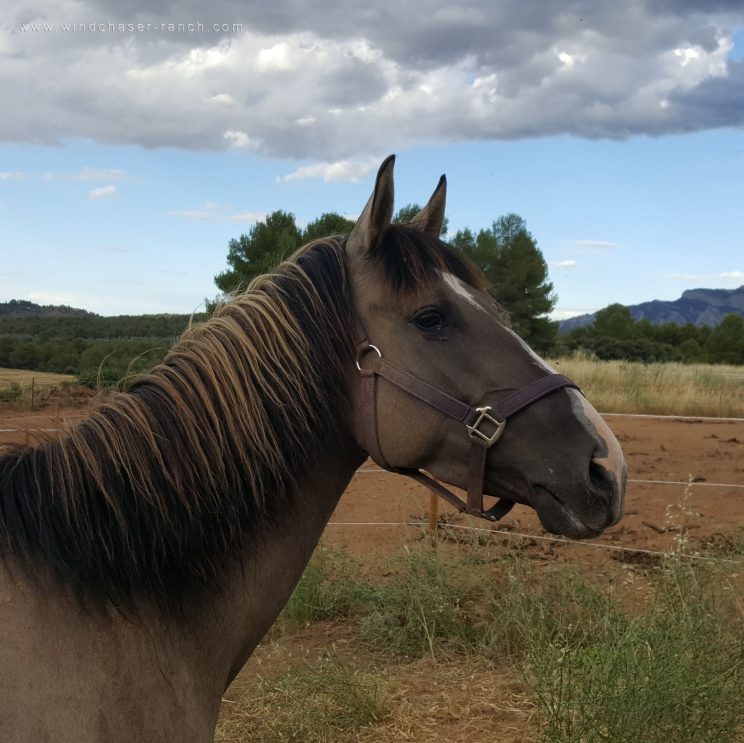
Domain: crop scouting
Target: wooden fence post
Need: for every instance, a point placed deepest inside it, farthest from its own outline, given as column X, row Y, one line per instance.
column 433, row 512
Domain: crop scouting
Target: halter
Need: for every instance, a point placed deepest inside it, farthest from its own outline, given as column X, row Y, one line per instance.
column 484, row 425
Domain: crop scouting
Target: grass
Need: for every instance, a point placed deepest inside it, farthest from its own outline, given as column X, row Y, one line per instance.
column 23, row 378
column 673, row 672
column 671, row 389
column 330, row 587
column 16, row 386
column 321, row 702
column 582, row 666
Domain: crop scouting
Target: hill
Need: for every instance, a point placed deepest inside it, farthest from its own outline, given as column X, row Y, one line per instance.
column 23, row 308
column 701, row 307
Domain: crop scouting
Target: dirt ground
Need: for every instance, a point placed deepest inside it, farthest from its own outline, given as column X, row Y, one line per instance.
column 681, row 473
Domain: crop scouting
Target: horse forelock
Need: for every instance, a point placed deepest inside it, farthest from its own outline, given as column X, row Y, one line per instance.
column 149, row 495
column 410, row 260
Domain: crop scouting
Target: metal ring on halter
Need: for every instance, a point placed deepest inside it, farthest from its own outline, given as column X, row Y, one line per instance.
column 369, row 347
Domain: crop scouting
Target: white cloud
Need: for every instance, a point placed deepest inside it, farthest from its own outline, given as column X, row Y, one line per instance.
column 570, row 263
column 51, row 298
column 342, row 170
column 596, row 244
column 11, row 176
column 104, row 192
column 735, row 276
column 309, row 83
column 191, row 213
column 241, row 141
column 567, row 313
column 88, row 174
column 224, row 98
column 217, row 212
column 248, row 217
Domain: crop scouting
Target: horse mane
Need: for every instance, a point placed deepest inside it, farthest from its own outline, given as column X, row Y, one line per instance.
column 147, row 496
column 150, row 494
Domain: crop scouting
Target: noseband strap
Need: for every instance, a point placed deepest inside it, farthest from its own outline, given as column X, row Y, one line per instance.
column 484, row 425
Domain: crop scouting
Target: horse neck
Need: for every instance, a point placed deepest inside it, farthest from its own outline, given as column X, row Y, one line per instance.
column 259, row 587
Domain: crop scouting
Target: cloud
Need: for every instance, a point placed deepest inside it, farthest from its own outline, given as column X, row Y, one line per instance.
column 567, row 313
column 11, row 176
column 104, row 192
column 570, row 263
column 735, row 276
column 88, row 174
column 342, row 170
column 191, row 213
column 247, row 217
column 596, row 244
column 303, row 82
column 214, row 211
column 52, row 298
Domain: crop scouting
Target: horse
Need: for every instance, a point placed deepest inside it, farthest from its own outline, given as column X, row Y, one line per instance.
column 147, row 550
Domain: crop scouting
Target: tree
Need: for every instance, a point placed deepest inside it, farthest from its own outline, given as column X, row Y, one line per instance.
column 725, row 343
column 269, row 242
column 266, row 244
column 614, row 321
column 508, row 255
column 329, row 224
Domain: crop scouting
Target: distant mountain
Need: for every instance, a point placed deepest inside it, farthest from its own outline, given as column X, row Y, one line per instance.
column 24, row 308
column 697, row 306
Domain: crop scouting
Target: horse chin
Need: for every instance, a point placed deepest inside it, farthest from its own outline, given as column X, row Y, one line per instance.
column 558, row 518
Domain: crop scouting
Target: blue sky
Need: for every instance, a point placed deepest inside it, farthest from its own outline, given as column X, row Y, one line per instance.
column 624, row 152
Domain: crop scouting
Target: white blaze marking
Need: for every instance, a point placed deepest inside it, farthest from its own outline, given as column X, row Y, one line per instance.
column 461, row 289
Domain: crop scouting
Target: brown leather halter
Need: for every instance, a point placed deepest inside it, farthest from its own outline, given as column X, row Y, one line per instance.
column 484, row 425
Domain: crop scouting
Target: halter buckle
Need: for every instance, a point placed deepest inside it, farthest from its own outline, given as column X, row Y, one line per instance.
column 475, row 433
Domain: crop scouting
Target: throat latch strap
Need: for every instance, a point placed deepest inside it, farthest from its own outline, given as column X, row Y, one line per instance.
column 484, row 424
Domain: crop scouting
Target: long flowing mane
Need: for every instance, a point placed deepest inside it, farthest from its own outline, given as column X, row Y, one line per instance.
column 150, row 494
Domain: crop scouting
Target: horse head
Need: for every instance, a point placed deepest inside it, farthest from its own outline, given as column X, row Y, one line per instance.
column 445, row 386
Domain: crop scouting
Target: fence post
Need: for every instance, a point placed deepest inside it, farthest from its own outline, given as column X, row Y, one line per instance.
column 433, row 511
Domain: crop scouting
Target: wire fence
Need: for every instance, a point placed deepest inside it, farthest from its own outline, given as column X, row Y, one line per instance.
column 544, row 538
column 589, row 544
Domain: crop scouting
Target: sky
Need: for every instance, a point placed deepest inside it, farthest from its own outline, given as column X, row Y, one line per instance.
column 137, row 138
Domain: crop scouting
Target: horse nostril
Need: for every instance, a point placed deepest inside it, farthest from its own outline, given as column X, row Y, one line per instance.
column 602, row 479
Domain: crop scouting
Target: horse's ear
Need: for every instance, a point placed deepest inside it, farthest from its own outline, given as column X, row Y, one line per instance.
column 431, row 218
column 378, row 213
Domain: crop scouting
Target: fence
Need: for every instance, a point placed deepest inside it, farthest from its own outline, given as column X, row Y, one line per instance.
column 433, row 522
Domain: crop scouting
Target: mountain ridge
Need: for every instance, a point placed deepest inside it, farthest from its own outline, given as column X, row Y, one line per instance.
column 701, row 307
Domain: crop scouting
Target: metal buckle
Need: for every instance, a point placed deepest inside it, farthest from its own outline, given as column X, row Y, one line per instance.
column 475, row 432
column 361, row 353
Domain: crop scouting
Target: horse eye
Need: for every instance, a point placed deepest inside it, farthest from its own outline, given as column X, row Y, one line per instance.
column 429, row 319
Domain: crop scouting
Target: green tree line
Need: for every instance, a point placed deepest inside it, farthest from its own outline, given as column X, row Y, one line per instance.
column 616, row 335
column 108, row 349
column 93, row 348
